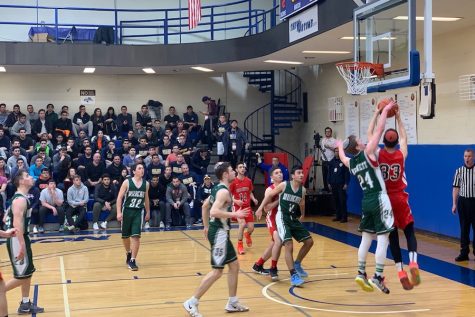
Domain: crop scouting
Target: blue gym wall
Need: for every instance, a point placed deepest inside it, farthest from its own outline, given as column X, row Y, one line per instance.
column 429, row 170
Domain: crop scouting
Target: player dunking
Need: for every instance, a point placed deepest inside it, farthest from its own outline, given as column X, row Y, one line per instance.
column 19, row 247
column 275, row 245
column 222, row 250
column 291, row 199
column 134, row 191
column 241, row 188
column 377, row 216
column 392, row 164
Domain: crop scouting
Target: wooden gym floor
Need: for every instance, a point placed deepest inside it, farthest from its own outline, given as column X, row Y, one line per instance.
column 86, row 275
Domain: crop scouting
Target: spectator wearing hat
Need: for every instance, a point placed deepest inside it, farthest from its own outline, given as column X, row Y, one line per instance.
column 52, row 200
column 43, row 179
column 105, row 196
column 204, row 191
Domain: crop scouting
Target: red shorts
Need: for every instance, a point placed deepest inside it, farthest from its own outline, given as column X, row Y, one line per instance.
column 401, row 210
column 270, row 221
column 249, row 218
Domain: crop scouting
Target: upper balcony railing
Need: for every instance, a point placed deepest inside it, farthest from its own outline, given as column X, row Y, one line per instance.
column 138, row 26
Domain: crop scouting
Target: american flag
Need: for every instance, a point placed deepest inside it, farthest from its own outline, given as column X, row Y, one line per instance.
column 194, row 13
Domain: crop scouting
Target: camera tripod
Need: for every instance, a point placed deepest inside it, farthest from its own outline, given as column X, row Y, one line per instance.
column 317, row 151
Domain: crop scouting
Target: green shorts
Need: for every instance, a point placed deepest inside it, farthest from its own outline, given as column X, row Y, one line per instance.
column 288, row 229
column 132, row 220
column 377, row 214
column 21, row 269
column 222, row 249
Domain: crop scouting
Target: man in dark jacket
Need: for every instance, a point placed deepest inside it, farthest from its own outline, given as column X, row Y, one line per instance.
column 156, row 192
column 234, row 141
column 82, row 122
column 115, row 170
column 63, row 125
column 105, row 196
column 42, row 126
column 124, row 122
column 177, row 202
column 338, row 178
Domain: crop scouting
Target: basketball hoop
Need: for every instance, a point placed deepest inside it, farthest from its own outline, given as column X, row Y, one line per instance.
column 358, row 75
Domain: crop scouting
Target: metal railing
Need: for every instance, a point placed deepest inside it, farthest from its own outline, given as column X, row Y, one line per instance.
column 142, row 26
column 259, row 124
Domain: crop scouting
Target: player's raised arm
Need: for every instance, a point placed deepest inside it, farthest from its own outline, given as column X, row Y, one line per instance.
column 402, row 134
column 373, row 142
column 343, row 158
column 372, row 123
column 269, row 195
column 123, row 189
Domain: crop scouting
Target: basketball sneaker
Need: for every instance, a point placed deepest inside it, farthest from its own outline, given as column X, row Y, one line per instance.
column 362, row 280
column 104, row 225
column 235, row 307
column 406, row 284
column 29, row 308
column 378, row 283
column 274, row 274
column 415, row 276
column 296, row 280
column 192, row 309
column 95, row 226
column 300, row 270
column 248, row 239
column 146, row 226
column 240, row 248
column 128, row 257
column 259, row 269
column 133, row 266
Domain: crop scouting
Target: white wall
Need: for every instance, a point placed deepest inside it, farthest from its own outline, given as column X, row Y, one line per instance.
column 19, row 33
column 132, row 91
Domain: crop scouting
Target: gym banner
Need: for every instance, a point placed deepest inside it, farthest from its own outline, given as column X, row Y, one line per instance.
column 303, row 24
column 290, row 7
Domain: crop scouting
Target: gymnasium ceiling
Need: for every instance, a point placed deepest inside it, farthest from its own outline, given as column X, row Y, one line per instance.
column 330, row 40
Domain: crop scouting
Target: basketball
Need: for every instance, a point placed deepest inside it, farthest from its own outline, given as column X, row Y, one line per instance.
column 383, row 103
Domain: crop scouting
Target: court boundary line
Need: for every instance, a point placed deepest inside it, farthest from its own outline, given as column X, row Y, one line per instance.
column 249, row 276
column 67, row 311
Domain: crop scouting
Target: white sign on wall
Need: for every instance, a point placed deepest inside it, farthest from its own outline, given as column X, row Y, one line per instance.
column 88, row 97
column 303, row 24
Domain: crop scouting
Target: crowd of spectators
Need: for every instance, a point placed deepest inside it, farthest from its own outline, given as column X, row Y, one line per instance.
column 80, row 163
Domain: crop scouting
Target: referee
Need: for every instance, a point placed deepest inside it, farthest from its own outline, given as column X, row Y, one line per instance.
column 464, row 192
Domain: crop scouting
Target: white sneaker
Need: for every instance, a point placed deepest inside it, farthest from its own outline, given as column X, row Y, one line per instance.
column 95, row 226
column 235, row 307
column 162, row 225
column 192, row 309
column 35, row 229
column 104, row 225
column 146, row 226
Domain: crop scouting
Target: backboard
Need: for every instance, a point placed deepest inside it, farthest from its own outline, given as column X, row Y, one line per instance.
column 385, row 33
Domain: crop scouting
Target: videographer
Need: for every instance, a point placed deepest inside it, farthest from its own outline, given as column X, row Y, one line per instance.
column 327, row 145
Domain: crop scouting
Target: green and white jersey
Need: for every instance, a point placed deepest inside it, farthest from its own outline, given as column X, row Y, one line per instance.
column 135, row 196
column 368, row 173
column 289, row 201
column 26, row 215
column 215, row 222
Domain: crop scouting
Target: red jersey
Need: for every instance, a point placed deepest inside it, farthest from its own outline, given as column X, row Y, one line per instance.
column 392, row 168
column 241, row 190
column 270, row 218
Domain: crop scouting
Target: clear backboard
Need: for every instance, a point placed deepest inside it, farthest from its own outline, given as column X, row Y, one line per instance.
column 385, row 33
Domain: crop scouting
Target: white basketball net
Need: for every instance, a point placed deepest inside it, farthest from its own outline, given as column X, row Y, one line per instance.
column 357, row 77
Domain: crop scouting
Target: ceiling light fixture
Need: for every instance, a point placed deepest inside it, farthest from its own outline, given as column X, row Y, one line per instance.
column 202, row 69
column 437, row 19
column 89, row 70
column 282, row 62
column 148, row 70
column 2, row 69
column 326, row 52
column 364, row 38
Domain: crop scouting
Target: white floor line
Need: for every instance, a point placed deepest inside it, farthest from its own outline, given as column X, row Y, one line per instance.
column 67, row 312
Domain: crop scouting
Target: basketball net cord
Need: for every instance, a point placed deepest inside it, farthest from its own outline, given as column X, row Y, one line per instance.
column 356, row 78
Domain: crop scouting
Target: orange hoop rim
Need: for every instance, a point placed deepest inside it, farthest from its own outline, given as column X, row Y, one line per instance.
column 376, row 69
